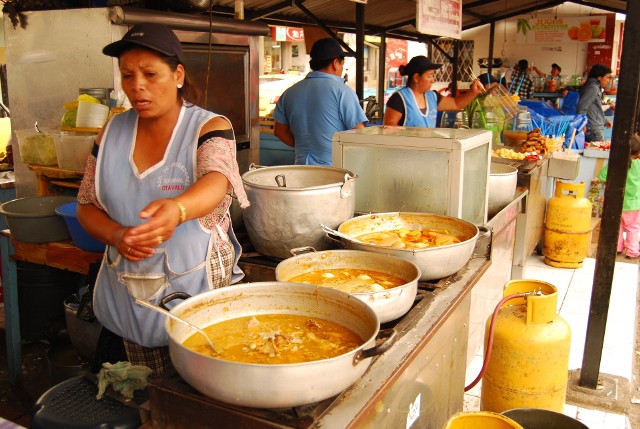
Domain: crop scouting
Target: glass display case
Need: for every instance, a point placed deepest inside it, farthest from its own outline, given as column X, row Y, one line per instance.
column 427, row 170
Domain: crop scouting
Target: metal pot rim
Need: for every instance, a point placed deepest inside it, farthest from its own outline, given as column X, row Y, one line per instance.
column 369, row 255
column 242, row 289
column 407, row 251
column 256, row 171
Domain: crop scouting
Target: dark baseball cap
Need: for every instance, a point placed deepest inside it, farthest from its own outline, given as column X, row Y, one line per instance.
column 153, row 36
column 420, row 64
column 327, row 49
column 486, row 78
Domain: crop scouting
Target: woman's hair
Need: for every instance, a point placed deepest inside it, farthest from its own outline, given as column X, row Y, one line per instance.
column 634, row 148
column 598, row 70
column 189, row 91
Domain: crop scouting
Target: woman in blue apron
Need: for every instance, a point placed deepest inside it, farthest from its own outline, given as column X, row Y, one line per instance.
column 416, row 105
column 157, row 190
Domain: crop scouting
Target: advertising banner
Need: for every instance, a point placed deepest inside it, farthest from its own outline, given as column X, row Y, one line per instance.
column 440, row 18
column 562, row 30
column 287, row 34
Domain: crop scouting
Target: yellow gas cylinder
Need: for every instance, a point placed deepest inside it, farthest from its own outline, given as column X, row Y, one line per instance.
column 567, row 227
column 529, row 362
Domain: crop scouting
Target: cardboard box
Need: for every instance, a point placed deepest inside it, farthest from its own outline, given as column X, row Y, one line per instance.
column 564, row 166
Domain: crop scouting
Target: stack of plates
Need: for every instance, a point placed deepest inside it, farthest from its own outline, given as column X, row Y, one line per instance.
column 91, row 115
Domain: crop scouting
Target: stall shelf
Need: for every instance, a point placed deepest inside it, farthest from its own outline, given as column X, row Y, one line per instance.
column 533, row 177
column 59, row 254
column 591, row 162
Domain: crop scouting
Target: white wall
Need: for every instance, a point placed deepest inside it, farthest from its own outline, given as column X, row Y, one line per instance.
column 572, row 57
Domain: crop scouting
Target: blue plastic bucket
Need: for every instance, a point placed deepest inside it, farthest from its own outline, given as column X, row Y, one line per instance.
column 79, row 236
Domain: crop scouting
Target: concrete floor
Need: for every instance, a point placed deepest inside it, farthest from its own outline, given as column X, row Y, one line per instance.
column 574, row 290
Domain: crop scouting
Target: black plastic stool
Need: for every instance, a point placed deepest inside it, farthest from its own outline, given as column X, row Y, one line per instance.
column 73, row 404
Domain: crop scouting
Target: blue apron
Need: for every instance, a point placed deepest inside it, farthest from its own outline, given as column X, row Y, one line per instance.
column 179, row 264
column 413, row 117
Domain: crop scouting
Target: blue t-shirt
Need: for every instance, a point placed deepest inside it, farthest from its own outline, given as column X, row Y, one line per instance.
column 314, row 109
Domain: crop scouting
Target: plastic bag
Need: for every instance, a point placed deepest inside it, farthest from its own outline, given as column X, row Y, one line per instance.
column 577, row 123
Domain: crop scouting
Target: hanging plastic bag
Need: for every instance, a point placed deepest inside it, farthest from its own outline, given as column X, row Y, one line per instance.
column 577, row 123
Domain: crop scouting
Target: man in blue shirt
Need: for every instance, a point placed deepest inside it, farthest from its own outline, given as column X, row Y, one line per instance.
column 311, row 111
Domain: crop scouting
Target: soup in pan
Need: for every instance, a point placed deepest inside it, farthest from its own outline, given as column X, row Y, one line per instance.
column 412, row 239
column 350, row 280
column 275, row 339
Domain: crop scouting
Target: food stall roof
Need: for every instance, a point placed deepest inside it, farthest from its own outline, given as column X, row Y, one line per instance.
column 396, row 17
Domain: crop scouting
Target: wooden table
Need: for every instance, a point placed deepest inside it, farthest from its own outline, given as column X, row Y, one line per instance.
column 48, row 175
column 59, row 254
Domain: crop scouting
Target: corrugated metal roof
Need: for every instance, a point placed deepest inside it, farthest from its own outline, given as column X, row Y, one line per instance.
column 396, row 17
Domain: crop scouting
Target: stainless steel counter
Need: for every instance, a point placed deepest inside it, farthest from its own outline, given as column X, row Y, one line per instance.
column 418, row 382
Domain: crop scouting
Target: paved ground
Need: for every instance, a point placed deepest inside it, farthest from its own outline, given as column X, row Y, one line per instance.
column 16, row 402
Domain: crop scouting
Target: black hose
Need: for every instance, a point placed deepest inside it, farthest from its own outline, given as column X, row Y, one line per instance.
column 487, row 354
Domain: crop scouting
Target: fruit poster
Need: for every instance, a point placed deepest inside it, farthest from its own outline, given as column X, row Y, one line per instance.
column 562, row 30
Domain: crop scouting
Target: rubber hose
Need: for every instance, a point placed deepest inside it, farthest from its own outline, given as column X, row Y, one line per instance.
column 487, row 355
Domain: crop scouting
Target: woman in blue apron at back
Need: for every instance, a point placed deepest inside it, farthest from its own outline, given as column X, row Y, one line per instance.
column 416, row 105
column 157, row 190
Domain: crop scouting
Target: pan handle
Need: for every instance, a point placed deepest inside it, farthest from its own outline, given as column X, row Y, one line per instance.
column 334, row 240
column 176, row 295
column 300, row 250
column 384, row 340
column 254, row 166
column 348, row 186
column 482, row 248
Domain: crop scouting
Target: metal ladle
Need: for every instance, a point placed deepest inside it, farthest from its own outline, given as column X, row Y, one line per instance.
column 337, row 233
column 166, row 313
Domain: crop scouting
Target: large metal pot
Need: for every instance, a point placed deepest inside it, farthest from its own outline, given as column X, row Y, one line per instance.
column 434, row 262
column 288, row 204
column 273, row 386
column 388, row 304
column 503, row 180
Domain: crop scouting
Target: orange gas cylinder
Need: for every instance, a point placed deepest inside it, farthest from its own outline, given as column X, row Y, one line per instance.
column 567, row 227
column 529, row 361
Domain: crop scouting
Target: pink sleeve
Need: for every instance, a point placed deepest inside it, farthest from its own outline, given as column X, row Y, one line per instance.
column 219, row 154
column 87, row 191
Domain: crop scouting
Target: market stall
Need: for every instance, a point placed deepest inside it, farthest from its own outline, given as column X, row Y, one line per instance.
column 421, row 377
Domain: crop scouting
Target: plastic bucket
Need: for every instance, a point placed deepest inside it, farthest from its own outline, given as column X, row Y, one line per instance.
column 79, row 236
column 33, row 219
column 481, row 420
column 64, row 363
column 537, row 418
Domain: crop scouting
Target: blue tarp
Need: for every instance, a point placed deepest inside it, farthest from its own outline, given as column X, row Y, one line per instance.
column 543, row 111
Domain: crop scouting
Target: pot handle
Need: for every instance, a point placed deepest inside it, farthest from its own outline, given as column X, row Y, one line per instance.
column 281, row 181
column 300, row 250
column 254, row 166
column 335, row 241
column 176, row 295
column 482, row 248
column 384, row 340
column 347, row 187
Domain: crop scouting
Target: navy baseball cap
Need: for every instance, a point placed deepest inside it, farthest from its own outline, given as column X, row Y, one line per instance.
column 419, row 64
column 153, row 36
column 327, row 49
